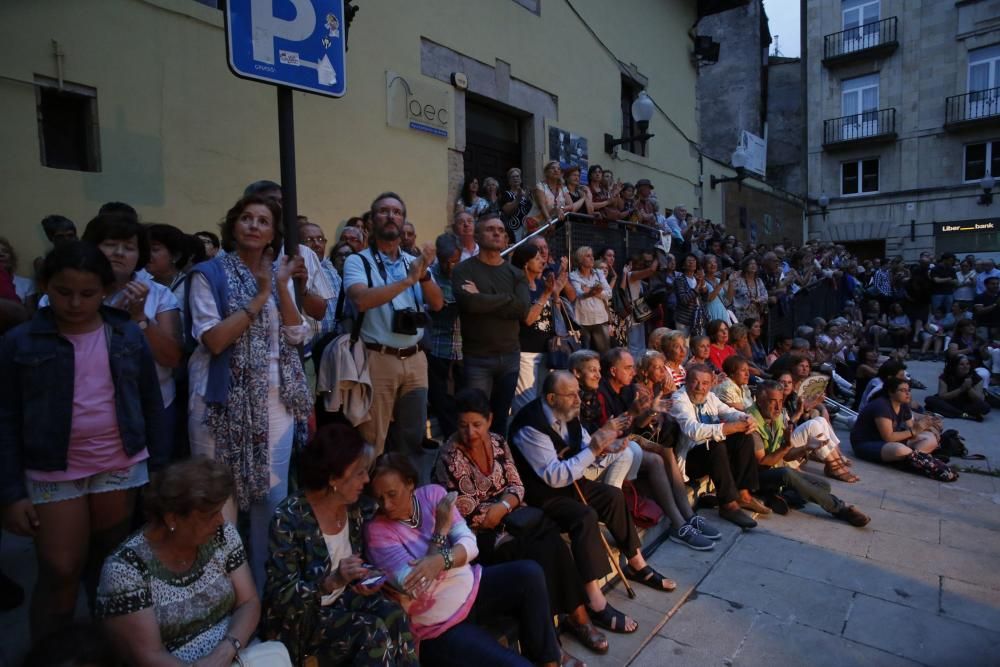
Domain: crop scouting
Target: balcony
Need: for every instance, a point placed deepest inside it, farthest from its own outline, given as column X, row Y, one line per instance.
column 867, row 127
column 978, row 109
column 871, row 40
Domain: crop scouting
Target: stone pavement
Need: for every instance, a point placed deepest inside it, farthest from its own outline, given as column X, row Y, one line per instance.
column 920, row 585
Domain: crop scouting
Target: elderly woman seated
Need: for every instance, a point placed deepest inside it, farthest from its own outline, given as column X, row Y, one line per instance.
column 179, row 591
column 320, row 599
column 477, row 463
column 423, row 545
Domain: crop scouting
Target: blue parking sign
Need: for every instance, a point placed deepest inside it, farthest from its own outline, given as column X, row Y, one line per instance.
column 294, row 43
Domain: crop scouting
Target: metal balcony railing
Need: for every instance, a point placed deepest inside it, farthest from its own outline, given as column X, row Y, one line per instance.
column 861, row 40
column 971, row 107
column 868, row 125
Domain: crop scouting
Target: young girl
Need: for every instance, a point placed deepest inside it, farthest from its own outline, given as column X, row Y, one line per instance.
column 80, row 416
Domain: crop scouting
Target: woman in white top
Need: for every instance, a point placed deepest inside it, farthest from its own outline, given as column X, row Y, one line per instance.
column 965, row 293
column 551, row 198
column 249, row 397
column 592, row 296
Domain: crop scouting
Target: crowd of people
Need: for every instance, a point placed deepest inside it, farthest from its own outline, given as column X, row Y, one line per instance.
column 163, row 445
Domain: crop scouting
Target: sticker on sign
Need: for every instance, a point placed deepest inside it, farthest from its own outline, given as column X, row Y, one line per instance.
column 294, row 43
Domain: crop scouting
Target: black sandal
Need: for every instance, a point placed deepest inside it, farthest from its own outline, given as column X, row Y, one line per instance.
column 592, row 638
column 611, row 619
column 651, row 578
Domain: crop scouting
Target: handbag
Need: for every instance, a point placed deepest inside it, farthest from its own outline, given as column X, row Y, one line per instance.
column 644, row 511
column 523, row 521
column 560, row 347
column 263, row 654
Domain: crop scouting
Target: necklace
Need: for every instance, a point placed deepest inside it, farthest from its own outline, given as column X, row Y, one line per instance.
column 414, row 520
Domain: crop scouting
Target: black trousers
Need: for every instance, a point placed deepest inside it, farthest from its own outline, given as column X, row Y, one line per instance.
column 730, row 464
column 606, row 504
column 954, row 408
column 444, row 380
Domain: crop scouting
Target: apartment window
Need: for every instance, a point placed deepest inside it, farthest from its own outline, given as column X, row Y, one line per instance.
column 859, row 107
column 860, row 18
column 68, row 133
column 984, row 68
column 859, row 177
column 981, row 159
column 630, row 91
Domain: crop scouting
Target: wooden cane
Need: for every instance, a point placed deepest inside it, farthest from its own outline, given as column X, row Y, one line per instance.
column 607, row 547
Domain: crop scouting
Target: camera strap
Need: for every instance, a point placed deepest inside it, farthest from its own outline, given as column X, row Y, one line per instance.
column 377, row 256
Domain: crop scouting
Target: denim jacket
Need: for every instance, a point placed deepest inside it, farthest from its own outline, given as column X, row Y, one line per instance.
column 36, row 397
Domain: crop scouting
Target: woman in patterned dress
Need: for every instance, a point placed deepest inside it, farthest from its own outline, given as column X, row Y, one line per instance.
column 180, row 587
column 315, row 598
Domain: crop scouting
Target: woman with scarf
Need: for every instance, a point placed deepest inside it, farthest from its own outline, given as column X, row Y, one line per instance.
column 249, row 398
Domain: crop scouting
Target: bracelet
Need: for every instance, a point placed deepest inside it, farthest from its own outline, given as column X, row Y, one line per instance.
column 440, row 540
column 446, row 555
column 503, row 501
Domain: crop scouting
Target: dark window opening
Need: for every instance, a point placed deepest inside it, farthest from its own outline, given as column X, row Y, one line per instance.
column 67, row 126
column 980, row 159
column 859, row 177
column 630, row 91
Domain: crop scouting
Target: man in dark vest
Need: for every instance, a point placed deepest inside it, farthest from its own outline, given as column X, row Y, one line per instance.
column 552, row 450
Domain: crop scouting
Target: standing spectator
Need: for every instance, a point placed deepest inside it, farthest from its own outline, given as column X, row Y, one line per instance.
column 383, row 284
column 80, row 418
column 469, row 199
column 211, row 243
column 635, row 277
column 602, row 198
column 554, row 266
column 353, row 236
column 408, row 240
column 593, row 298
column 747, row 293
column 550, row 197
column 444, row 340
column 464, row 228
column 493, row 298
column 538, row 325
column 24, row 287
column 579, row 195
column 714, row 442
column 944, row 281
column 492, row 192
column 965, row 293
column 249, row 396
column 58, row 229
column 676, row 224
column 715, row 284
column 987, row 311
column 645, row 205
column 515, row 203
column 690, row 288
column 988, row 269
column 918, row 291
column 314, row 239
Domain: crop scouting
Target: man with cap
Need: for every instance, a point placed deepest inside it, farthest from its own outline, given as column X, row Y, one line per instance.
column 645, row 204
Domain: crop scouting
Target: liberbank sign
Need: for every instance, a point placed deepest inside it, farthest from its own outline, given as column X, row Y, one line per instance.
column 966, row 227
column 414, row 105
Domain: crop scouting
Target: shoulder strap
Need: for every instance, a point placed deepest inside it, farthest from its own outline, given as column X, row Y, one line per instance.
column 360, row 319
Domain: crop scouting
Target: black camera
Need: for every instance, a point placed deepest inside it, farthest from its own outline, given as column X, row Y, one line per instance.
column 406, row 322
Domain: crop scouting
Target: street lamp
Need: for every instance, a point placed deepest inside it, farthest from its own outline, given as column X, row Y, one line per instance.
column 642, row 113
column 738, row 161
column 986, row 184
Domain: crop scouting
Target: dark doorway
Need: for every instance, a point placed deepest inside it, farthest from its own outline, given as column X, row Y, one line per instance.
column 866, row 249
column 492, row 142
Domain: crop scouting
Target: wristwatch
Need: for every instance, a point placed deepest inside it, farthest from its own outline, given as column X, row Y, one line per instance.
column 237, row 644
column 503, row 501
column 143, row 323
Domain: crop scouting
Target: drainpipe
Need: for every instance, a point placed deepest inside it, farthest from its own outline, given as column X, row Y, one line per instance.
column 60, row 57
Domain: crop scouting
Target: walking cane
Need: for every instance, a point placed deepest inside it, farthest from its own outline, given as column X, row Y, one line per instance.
column 607, row 547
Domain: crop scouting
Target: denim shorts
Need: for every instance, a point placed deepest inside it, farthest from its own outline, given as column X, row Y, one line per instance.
column 114, row 480
column 869, row 451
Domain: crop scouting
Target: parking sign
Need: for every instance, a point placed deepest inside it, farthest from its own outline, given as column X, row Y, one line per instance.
column 294, row 43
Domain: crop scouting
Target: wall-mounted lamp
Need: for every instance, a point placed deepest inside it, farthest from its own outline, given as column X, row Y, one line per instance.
column 823, row 201
column 739, row 163
column 642, row 113
column 987, row 184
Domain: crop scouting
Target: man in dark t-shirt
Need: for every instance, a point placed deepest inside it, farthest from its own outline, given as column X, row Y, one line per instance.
column 944, row 280
column 987, row 310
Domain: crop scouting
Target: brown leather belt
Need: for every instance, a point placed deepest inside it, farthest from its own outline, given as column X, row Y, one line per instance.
column 394, row 351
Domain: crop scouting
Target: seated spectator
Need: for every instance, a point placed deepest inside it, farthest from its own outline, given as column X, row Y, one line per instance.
column 714, row 442
column 899, row 327
column 960, row 391
column 937, row 330
column 758, row 354
column 316, row 600
column 720, row 350
column 774, row 446
column 478, row 465
column 674, row 353
column 886, row 431
column 181, row 586
column 425, row 548
column 552, row 450
column 966, row 342
column 867, row 368
column 23, row 286
column 734, row 391
column 701, row 353
column 81, row 421
column 782, row 346
column 739, row 340
column 79, row 645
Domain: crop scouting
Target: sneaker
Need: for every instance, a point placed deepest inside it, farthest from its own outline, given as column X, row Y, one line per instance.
column 705, row 528
column 689, row 536
column 853, row 516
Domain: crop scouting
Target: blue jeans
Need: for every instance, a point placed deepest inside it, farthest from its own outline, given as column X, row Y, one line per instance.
column 942, row 301
column 637, row 341
column 497, row 378
column 508, row 590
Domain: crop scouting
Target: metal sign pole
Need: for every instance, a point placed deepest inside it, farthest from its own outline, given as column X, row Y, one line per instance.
column 289, row 193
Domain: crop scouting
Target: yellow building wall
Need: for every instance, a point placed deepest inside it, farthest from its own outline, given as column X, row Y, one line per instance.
column 180, row 136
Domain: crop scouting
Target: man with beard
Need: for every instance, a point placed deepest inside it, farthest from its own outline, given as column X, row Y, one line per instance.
column 390, row 290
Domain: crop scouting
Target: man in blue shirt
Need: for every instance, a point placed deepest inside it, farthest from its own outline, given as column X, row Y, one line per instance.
column 390, row 289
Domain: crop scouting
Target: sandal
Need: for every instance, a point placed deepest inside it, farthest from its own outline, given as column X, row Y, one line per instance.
column 838, row 470
column 611, row 619
column 568, row 660
column 650, row 577
column 588, row 635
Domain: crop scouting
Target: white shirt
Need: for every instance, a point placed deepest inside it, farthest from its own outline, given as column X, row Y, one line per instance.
column 339, row 547
column 981, row 279
column 466, row 254
column 590, row 310
column 540, row 453
column 700, row 424
column 318, row 284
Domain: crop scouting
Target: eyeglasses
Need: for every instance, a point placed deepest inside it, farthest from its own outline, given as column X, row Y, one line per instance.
column 315, row 239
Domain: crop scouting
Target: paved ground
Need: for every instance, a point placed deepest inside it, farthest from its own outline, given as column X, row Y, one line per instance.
column 919, row 586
